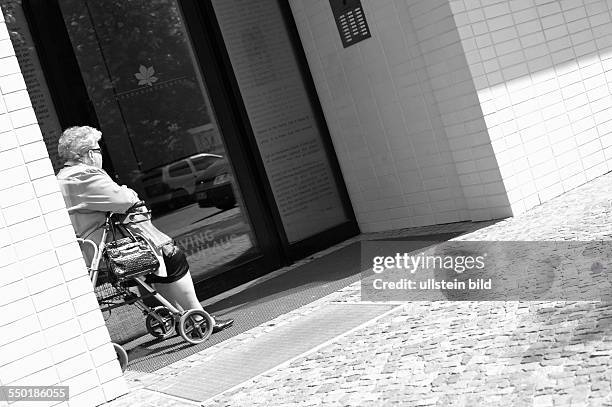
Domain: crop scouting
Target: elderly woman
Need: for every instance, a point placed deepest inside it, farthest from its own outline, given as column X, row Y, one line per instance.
column 84, row 184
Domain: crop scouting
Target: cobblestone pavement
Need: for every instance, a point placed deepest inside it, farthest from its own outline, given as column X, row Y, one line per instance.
column 425, row 353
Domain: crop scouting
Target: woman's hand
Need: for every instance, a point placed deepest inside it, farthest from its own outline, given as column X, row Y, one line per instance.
column 168, row 249
column 139, row 206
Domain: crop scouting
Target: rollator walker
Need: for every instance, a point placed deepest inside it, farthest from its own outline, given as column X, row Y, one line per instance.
column 194, row 325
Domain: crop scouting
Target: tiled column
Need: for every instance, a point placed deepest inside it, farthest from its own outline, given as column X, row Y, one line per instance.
column 403, row 115
column 51, row 329
column 542, row 70
column 517, row 92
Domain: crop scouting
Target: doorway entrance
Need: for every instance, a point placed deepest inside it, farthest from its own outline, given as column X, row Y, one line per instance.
column 207, row 110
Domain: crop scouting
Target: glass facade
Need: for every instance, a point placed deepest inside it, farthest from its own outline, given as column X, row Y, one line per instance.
column 158, row 125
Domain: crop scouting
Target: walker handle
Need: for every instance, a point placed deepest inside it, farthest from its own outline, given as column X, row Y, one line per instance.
column 136, row 205
column 133, row 217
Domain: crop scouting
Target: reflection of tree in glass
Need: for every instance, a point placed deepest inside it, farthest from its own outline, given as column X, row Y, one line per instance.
column 144, row 37
column 146, row 76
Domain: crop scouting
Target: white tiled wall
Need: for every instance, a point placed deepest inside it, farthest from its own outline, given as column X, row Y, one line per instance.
column 51, row 329
column 542, row 69
column 404, row 115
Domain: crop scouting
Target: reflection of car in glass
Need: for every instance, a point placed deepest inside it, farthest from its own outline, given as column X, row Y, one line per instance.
column 173, row 185
column 214, row 186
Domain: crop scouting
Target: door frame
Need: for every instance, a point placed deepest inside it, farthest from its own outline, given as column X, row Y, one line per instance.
column 203, row 17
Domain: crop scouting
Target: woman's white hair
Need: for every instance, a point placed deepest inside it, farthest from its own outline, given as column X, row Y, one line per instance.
column 76, row 141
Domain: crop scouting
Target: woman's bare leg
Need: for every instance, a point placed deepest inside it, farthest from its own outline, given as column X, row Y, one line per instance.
column 180, row 293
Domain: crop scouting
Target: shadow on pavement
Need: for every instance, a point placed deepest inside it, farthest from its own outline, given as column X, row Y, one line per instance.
column 317, row 276
column 267, row 300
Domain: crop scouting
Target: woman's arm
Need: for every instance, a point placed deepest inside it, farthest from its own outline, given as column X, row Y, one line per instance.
column 98, row 192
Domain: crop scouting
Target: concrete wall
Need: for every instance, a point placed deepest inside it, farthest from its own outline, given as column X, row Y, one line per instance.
column 542, row 70
column 51, row 329
column 403, row 114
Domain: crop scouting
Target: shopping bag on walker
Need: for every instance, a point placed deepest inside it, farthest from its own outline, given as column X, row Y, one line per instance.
column 130, row 257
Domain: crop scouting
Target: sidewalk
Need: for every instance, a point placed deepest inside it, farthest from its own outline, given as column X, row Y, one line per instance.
column 431, row 353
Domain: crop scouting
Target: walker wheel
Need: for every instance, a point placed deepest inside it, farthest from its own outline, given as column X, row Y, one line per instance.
column 195, row 326
column 155, row 327
column 122, row 356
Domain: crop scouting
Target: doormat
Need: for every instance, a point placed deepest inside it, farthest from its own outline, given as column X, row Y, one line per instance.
column 231, row 367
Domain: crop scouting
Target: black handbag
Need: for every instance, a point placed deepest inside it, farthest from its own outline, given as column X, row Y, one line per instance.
column 129, row 257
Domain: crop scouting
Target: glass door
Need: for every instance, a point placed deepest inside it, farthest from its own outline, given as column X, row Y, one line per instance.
column 265, row 68
column 209, row 112
column 160, row 130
